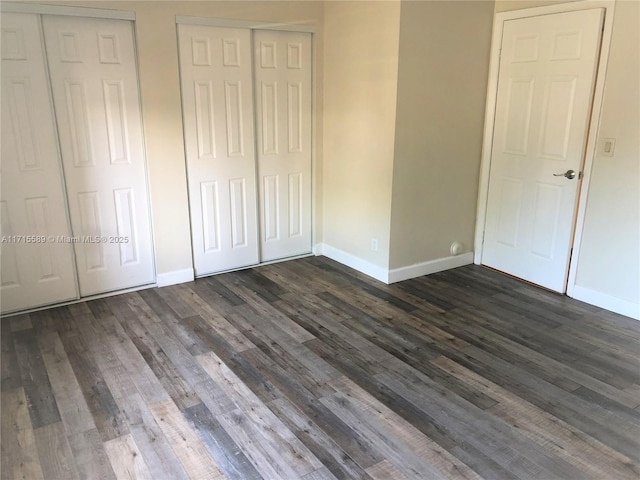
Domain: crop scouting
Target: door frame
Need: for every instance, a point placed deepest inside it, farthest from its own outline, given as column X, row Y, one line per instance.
column 592, row 130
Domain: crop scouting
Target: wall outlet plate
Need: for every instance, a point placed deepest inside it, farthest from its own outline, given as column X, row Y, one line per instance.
column 608, row 146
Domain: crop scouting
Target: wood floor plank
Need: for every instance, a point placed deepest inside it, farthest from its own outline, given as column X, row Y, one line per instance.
column 54, row 452
column 35, row 380
column 272, row 432
column 548, row 431
column 126, row 459
column 188, row 447
column 406, row 433
column 72, row 405
column 222, row 448
column 90, row 456
column 19, row 453
column 320, row 442
column 308, row 369
column 161, row 460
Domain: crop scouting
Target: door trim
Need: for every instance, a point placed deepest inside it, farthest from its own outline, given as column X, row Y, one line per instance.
column 252, row 25
column 592, row 131
column 67, row 10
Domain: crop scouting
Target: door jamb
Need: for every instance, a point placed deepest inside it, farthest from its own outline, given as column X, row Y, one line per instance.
column 592, row 130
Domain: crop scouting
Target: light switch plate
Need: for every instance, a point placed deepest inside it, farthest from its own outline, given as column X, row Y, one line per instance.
column 608, row 146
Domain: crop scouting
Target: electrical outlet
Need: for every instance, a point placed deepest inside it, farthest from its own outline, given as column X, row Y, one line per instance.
column 374, row 244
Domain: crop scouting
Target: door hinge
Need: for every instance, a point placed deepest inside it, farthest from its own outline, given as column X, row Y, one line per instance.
column 579, row 175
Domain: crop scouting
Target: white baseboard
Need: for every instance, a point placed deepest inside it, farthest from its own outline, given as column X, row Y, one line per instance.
column 427, row 268
column 397, row 274
column 608, row 302
column 357, row 263
column 175, row 277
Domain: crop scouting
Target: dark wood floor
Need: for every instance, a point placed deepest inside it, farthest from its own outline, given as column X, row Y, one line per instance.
column 307, row 369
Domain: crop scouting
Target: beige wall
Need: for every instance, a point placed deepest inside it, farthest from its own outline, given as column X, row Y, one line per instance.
column 609, row 260
column 442, row 81
column 360, row 81
column 161, row 107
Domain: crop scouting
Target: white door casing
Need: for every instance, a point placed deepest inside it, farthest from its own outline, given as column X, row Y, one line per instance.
column 37, row 265
column 215, row 72
column 95, row 90
column 543, row 107
column 282, row 66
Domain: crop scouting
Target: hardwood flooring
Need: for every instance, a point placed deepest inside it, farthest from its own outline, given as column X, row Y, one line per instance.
column 307, row 369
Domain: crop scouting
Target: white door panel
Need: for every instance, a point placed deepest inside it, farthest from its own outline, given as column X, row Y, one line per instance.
column 545, row 90
column 95, row 91
column 37, row 264
column 215, row 68
column 283, row 117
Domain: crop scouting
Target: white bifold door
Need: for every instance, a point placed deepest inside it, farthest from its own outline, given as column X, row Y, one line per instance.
column 95, row 92
column 75, row 217
column 250, row 194
column 36, row 270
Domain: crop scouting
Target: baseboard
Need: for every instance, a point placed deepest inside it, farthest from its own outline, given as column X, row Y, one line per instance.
column 175, row 277
column 427, row 268
column 357, row 263
column 608, row 302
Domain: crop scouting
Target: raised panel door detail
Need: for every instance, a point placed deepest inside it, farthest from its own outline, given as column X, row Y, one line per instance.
column 10, row 272
column 205, row 119
column 201, row 52
column 545, row 219
column 126, row 221
column 294, row 55
column 22, row 121
column 238, row 212
column 231, row 52
column 233, row 96
column 525, row 48
column 70, row 47
column 91, row 232
column 108, row 48
column 211, row 216
column 271, row 208
column 116, row 121
column 13, row 44
column 269, row 118
column 38, row 222
column 295, row 205
column 518, row 116
column 557, row 116
column 268, row 55
column 294, row 117
column 78, row 123
column 509, row 217
column 567, row 46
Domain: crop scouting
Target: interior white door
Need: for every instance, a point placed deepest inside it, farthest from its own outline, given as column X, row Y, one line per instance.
column 37, row 263
column 283, row 118
column 215, row 69
column 545, row 91
column 95, row 91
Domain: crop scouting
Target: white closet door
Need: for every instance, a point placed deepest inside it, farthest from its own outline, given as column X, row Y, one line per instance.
column 215, row 68
column 283, row 113
column 37, row 266
column 95, row 91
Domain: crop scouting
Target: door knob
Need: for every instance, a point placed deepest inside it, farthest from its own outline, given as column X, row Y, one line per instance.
column 570, row 174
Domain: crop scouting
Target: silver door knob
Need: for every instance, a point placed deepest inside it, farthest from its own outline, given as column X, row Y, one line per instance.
column 570, row 174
